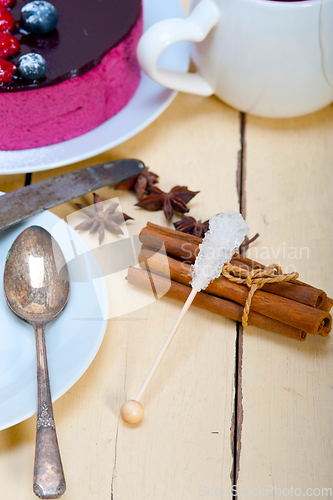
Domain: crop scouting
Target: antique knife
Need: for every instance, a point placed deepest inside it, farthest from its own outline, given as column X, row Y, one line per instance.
column 31, row 200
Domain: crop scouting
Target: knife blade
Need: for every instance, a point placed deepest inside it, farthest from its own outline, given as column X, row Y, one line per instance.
column 31, row 200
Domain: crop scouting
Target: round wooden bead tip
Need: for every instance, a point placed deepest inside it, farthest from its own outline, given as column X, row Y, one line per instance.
column 132, row 411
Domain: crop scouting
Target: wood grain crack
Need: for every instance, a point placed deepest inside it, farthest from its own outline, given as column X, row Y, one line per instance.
column 114, row 463
column 28, row 178
column 237, row 417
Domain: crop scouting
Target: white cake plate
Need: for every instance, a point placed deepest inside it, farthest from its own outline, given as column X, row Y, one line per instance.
column 72, row 340
column 148, row 102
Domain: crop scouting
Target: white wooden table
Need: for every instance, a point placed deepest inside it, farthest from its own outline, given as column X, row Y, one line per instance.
column 226, row 407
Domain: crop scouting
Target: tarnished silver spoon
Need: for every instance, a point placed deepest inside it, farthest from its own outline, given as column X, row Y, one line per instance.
column 36, row 285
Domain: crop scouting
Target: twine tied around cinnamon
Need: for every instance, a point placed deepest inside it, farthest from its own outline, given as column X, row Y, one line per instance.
column 255, row 280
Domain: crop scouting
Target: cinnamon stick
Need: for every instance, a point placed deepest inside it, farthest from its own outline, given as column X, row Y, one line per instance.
column 226, row 308
column 186, row 246
column 292, row 313
column 327, row 305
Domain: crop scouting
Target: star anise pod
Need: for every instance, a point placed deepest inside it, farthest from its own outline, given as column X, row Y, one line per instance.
column 248, row 241
column 189, row 225
column 139, row 183
column 100, row 219
column 175, row 200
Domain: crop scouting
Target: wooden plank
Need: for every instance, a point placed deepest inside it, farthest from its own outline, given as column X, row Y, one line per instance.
column 11, row 182
column 287, row 386
column 175, row 452
column 182, row 447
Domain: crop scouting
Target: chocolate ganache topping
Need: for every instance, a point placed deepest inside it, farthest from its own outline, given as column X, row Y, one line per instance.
column 86, row 31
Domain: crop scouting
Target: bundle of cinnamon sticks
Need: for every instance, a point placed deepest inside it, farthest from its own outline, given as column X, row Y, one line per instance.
column 293, row 309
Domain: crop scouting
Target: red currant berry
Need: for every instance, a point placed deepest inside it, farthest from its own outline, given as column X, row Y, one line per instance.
column 7, row 22
column 7, row 69
column 6, row 3
column 9, row 45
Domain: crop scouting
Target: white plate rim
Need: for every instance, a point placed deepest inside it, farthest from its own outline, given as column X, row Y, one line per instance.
column 154, row 9
column 48, row 220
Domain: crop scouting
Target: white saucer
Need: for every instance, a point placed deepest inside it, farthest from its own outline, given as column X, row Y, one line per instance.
column 149, row 101
column 72, row 340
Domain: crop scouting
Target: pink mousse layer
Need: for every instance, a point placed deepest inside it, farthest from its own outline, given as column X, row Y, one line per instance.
column 49, row 115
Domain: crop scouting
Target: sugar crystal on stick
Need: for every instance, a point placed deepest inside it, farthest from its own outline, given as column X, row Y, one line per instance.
column 226, row 233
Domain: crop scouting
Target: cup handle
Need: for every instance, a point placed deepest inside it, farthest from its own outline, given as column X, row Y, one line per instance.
column 158, row 37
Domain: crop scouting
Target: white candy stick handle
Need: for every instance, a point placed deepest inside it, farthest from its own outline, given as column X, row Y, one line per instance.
column 164, row 33
column 184, row 310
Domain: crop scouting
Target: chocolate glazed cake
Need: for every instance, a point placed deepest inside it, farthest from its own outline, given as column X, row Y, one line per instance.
column 91, row 72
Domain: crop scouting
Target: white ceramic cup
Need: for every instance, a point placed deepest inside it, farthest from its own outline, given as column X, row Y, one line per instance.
column 264, row 57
